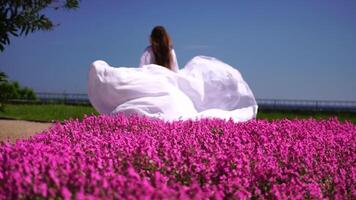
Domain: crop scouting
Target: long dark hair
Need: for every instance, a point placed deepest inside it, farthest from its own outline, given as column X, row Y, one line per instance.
column 161, row 45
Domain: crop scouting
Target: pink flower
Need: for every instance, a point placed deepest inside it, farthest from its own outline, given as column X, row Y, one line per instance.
column 65, row 193
column 119, row 157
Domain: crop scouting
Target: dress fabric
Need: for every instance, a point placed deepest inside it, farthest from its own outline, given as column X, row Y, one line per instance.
column 205, row 88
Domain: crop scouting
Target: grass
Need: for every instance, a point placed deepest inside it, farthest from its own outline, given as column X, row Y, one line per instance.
column 46, row 112
column 270, row 114
column 60, row 112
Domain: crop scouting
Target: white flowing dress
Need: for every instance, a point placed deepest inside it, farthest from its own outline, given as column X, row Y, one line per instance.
column 205, row 88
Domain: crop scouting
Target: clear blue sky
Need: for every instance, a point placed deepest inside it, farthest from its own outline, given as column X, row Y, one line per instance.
column 303, row 49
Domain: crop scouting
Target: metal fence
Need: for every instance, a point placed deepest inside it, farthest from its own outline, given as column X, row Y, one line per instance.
column 309, row 105
column 67, row 98
column 264, row 104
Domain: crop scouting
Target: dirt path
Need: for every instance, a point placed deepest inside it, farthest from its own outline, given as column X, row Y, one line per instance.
column 14, row 129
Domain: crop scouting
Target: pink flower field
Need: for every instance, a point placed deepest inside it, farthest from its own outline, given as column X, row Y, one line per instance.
column 118, row 157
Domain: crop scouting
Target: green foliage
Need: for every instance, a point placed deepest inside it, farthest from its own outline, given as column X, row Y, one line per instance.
column 13, row 90
column 3, row 77
column 8, row 91
column 27, row 93
column 21, row 17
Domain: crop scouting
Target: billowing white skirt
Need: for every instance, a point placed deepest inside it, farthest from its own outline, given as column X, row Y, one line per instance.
column 205, row 87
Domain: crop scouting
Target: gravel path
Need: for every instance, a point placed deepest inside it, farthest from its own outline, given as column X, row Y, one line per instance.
column 14, row 129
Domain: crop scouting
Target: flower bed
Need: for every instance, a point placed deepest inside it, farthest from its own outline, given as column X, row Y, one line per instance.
column 141, row 158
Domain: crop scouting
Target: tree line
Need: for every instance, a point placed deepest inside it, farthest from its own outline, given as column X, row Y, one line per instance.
column 13, row 90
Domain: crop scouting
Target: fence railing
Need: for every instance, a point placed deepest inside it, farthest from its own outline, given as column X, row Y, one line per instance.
column 266, row 104
column 312, row 105
column 68, row 98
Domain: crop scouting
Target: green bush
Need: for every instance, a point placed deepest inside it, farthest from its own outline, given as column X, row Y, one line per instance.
column 27, row 93
column 13, row 90
column 9, row 91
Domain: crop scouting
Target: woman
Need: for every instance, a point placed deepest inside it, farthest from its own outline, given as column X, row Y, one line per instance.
column 205, row 88
column 161, row 51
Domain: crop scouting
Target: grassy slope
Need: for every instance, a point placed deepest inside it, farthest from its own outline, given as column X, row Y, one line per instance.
column 50, row 112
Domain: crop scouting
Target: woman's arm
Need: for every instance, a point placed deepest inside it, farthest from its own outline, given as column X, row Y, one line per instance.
column 175, row 66
column 146, row 57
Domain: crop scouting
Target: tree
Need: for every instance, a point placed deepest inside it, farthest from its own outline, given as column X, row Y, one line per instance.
column 3, row 80
column 13, row 91
column 3, row 77
column 9, row 91
column 21, row 17
column 27, row 93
